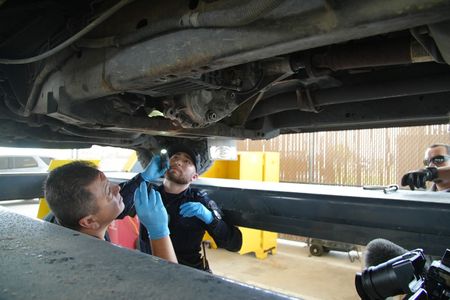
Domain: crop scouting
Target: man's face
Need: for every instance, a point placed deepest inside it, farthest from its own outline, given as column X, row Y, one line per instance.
column 182, row 169
column 109, row 201
column 433, row 155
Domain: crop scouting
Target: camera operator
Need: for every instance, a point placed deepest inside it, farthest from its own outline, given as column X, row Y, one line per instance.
column 436, row 156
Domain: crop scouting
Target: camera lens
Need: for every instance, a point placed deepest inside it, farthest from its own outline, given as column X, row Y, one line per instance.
column 360, row 288
column 400, row 275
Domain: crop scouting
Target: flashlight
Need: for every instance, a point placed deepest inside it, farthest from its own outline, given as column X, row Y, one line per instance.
column 164, row 158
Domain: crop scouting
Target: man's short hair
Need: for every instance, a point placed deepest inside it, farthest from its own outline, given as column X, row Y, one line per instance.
column 446, row 146
column 67, row 194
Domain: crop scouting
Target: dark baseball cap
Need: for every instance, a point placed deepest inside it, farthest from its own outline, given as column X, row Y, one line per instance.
column 195, row 157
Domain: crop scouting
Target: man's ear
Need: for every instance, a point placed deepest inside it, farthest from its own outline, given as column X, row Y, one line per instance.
column 89, row 222
column 194, row 177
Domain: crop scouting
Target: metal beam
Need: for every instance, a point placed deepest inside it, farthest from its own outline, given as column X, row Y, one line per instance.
column 40, row 260
column 412, row 219
column 21, row 186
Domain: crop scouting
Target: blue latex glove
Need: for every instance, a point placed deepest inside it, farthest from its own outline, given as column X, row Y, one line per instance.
column 196, row 209
column 151, row 212
column 155, row 169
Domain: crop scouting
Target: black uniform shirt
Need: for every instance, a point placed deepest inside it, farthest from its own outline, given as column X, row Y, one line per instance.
column 187, row 233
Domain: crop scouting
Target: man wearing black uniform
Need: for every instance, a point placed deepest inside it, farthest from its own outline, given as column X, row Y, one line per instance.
column 191, row 212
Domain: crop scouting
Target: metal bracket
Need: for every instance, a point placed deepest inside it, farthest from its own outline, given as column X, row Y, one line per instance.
column 305, row 101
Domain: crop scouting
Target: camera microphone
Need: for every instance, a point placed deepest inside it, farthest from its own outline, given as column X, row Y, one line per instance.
column 381, row 250
column 392, row 270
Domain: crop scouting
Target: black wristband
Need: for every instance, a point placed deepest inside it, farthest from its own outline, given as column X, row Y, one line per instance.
column 434, row 173
column 214, row 222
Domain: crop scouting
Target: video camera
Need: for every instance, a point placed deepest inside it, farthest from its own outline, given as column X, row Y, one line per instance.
column 406, row 274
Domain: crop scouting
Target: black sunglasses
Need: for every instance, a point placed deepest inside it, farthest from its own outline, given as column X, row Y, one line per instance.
column 437, row 160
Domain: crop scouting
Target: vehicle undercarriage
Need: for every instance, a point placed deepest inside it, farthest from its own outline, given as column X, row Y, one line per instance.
column 144, row 75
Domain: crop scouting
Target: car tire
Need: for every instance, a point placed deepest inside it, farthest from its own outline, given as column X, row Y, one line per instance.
column 316, row 250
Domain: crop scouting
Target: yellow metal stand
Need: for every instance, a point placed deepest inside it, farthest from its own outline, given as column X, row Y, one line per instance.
column 132, row 160
column 43, row 209
column 259, row 166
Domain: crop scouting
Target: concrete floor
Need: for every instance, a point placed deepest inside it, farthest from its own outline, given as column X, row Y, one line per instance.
column 291, row 270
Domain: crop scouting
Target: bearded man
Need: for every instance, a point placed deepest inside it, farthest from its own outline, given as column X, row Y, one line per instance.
column 191, row 212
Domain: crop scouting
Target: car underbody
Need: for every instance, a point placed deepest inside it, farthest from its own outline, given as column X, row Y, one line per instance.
column 146, row 74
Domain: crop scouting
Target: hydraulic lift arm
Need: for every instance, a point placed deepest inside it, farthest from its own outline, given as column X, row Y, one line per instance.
column 412, row 219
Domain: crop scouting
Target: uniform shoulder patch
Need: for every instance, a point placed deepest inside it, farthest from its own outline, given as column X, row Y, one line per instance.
column 201, row 193
column 199, row 196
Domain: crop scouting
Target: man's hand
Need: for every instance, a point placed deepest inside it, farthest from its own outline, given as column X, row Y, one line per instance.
column 196, row 209
column 155, row 169
column 419, row 178
column 151, row 212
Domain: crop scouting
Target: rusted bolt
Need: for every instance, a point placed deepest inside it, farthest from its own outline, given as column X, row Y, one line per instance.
column 211, row 116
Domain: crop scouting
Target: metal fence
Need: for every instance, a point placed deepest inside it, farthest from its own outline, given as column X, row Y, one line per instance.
column 354, row 157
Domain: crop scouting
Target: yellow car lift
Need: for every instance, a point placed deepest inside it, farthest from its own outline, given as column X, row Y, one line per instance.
column 256, row 166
